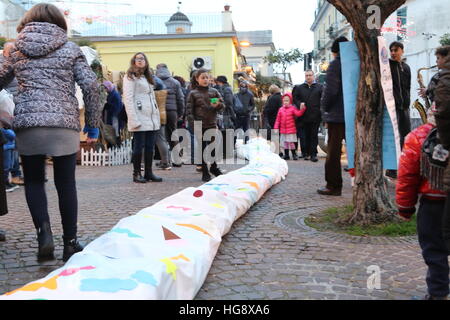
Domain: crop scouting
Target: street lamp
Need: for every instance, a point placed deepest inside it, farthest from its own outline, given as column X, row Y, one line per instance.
column 245, row 43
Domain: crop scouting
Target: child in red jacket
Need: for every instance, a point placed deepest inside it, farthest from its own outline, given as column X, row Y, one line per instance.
column 286, row 123
column 410, row 185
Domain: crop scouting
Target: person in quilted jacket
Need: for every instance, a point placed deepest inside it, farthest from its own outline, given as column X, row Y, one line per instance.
column 47, row 118
column 442, row 99
column 285, row 122
column 412, row 187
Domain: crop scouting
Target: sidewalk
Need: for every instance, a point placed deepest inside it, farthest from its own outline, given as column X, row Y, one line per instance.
column 268, row 254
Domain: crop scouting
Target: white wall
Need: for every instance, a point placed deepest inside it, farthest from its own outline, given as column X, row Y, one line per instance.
column 425, row 16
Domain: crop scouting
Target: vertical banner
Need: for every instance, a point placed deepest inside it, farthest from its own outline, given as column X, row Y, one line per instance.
column 391, row 137
column 350, row 78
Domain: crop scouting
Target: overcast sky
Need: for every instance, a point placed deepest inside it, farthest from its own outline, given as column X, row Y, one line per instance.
column 290, row 20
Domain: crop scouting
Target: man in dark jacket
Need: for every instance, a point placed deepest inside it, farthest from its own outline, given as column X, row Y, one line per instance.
column 229, row 116
column 309, row 93
column 248, row 105
column 332, row 106
column 442, row 99
column 401, row 80
column 175, row 103
column 3, row 204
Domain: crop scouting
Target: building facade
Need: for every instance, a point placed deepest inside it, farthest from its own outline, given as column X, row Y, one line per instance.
column 259, row 44
column 10, row 15
column 219, row 51
column 328, row 25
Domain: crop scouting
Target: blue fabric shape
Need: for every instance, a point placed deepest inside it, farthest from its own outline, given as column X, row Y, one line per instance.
column 144, row 277
column 107, row 285
column 127, row 232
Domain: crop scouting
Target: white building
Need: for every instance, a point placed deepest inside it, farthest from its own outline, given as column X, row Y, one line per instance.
column 259, row 45
column 10, row 15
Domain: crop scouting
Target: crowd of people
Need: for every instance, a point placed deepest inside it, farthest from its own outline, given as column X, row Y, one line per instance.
column 40, row 70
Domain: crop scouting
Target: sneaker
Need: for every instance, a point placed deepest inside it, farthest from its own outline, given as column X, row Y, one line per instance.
column 198, row 168
column 165, row 167
column 11, row 187
column 177, row 165
column 18, row 181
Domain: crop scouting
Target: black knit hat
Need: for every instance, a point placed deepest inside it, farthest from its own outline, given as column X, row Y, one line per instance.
column 222, row 79
column 335, row 46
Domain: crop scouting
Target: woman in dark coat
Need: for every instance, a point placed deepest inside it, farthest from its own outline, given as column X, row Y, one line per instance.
column 270, row 112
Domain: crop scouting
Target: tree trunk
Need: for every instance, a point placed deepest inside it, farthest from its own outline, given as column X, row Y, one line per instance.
column 370, row 195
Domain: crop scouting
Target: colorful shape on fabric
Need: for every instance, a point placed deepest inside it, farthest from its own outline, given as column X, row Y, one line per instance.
column 144, row 277
column 217, row 205
column 169, row 235
column 49, row 284
column 127, row 232
column 171, row 267
column 253, row 184
column 107, row 285
column 198, row 193
column 71, row 271
column 194, row 227
column 182, row 208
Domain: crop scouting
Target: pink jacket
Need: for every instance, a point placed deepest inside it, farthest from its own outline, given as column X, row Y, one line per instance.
column 286, row 117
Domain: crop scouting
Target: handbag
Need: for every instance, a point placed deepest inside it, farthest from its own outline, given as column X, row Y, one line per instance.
column 108, row 133
column 161, row 99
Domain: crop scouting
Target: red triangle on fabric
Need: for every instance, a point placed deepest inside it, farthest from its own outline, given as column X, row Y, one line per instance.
column 169, row 235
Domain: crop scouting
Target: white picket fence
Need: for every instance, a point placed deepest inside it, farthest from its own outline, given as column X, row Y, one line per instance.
column 111, row 157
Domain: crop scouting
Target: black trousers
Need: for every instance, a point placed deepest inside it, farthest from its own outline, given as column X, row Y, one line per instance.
column 404, row 124
column 446, row 222
column 171, row 126
column 434, row 251
column 333, row 171
column 301, row 137
column 3, row 203
column 64, row 175
column 311, row 137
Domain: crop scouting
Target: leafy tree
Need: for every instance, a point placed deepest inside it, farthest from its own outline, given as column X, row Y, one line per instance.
column 2, row 42
column 86, row 43
column 445, row 40
column 283, row 58
column 263, row 83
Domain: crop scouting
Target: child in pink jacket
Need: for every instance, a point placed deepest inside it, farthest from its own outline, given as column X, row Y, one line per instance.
column 286, row 123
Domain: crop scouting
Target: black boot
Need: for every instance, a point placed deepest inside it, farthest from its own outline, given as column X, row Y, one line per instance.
column 206, row 177
column 137, row 176
column 149, row 176
column 45, row 242
column 215, row 170
column 71, row 246
column 294, row 155
column 286, row 154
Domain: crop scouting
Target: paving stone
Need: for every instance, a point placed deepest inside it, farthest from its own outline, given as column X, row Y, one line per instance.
column 256, row 258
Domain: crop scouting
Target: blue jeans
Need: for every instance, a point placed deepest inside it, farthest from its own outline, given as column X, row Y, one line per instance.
column 144, row 140
column 7, row 163
column 15, row 170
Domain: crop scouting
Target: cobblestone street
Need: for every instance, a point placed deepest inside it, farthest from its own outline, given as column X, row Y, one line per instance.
column 268, row 254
